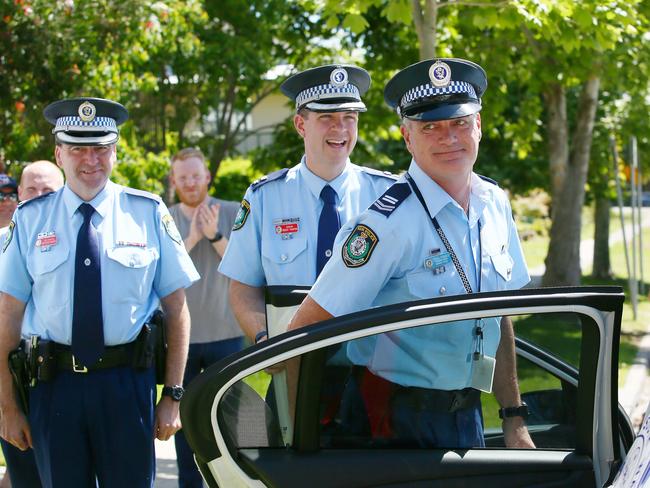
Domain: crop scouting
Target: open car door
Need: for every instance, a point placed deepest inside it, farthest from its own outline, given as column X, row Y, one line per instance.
column 567, row 362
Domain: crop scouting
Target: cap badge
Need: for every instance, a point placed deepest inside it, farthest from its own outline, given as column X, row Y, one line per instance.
column 339, row 77
column 440, row 74
column 87, row 111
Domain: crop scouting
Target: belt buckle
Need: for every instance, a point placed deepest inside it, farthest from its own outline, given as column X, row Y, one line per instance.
column 78, row 368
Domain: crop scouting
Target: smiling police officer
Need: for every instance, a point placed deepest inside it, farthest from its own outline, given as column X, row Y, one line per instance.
column 83, row 270
column 440, row 230
column 287, row 222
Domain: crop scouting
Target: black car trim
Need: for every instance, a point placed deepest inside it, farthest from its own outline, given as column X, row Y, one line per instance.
column 200, row 394
column 387, row 467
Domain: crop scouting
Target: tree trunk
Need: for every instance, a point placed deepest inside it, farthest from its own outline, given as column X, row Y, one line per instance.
column 558, row 139
column 425, row 21
column 563, row 259
column 602, row 266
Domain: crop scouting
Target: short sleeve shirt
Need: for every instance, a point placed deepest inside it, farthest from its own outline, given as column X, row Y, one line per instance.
column 276, row 244
column 142, row 259
column 408, row 261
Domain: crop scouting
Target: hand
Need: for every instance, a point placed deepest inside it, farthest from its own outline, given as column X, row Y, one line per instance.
column 516, row 433
column 196, row 233
column 14, row 427
column 209, row 219
column 168, row 419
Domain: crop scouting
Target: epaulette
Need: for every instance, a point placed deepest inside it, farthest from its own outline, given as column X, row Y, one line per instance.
column 142, row 193
column 24, row 203
column 489, row 180
column 377, row 172
column 276, row 175
column 391, row 199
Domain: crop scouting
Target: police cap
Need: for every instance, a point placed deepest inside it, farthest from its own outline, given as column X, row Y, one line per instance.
column 7, row 181
column 86, row 121
column 437, row 89
column 330, row 88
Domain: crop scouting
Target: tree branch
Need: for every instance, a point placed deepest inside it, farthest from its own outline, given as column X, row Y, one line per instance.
column 469, row 3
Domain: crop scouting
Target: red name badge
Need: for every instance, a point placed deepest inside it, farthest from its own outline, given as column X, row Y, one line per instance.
column 46, row 241
column 289, row 228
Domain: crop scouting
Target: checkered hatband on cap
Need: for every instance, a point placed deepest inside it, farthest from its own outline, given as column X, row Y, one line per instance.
column 327, row 91
column 428, row 91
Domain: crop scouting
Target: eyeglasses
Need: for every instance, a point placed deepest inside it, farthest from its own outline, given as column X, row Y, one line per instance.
column 8, row 196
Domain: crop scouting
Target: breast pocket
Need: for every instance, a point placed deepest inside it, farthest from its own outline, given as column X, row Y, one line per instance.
column 285, row 260
column 502, row 263
column 52, row 288
column 426, row 284
column 131, row 270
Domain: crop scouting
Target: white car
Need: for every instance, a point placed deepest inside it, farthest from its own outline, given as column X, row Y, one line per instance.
column 249, row 431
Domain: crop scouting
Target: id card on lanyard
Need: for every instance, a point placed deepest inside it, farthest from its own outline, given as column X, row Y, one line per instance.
column 482, row 365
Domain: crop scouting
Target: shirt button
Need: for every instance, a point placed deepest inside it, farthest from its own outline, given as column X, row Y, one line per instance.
column 328, row 253
column 442, row 290
column 131, row 264
column 283, row 257
column 87, row 262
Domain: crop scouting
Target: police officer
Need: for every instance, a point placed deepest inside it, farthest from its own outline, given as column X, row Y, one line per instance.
column 285, row 228
column 440, row 230
column 82, row 271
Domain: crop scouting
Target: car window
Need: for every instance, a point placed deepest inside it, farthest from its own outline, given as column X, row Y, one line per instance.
column 356, row 392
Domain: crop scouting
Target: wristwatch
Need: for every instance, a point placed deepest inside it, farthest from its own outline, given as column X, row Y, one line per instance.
column 520, row 411
column 175, row 392
column 217, row 237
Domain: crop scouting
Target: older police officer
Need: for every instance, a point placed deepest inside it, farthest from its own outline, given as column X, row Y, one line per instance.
column 82, row 271
column 440, row 230
column 287, row 222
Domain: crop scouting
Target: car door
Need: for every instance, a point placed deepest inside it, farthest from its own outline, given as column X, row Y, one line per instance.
column 279, row 414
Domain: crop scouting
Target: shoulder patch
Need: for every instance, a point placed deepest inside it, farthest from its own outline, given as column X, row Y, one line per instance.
column 32, row 200
column 359, row 246
column 276, row 175
column 391, row 199
column 489, row 180
column 377, row 172
column 9, row 236
column 171, row 229
column 142, row 193
column 242, row 215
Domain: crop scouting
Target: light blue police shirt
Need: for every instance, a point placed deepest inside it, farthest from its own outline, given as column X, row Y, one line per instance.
column 400, row 267
column 276, row 245
column 142, row 260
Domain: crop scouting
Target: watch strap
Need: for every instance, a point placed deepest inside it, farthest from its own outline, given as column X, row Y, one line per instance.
column 217, row 237
column 520, row 411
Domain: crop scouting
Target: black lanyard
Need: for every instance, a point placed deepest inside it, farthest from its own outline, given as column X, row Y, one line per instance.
column 445, row 241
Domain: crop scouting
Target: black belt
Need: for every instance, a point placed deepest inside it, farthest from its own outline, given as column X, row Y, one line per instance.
column 425, row 399
column 113, row 357
column 442, row 401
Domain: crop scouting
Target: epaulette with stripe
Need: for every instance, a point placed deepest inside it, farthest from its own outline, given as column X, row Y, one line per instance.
column 489, row 180
column 377, row 172
column 391, row 199
column 24, row 203
column 276, row 175
column 142, row 193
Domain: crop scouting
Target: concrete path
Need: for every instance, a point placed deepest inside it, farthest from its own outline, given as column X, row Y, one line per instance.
column 166, row 469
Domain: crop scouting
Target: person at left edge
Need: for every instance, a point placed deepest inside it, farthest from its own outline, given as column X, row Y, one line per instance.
column 93, row 422
column 37, row 178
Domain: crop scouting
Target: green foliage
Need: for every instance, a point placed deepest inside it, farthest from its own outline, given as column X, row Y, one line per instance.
column 143, row 170
column 233, row 178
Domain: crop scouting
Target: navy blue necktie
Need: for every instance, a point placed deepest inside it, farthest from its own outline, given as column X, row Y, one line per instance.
column 87, row 321
column 328, row 225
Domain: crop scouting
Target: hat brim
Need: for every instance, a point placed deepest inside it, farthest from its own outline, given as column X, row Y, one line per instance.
column 336, row 107
column 107, row 139
column 443, row 112
column 11, row 186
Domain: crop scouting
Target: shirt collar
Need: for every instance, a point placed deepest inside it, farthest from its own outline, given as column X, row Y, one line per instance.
column 436, row 198
column 316, row 183
column 101, row 201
